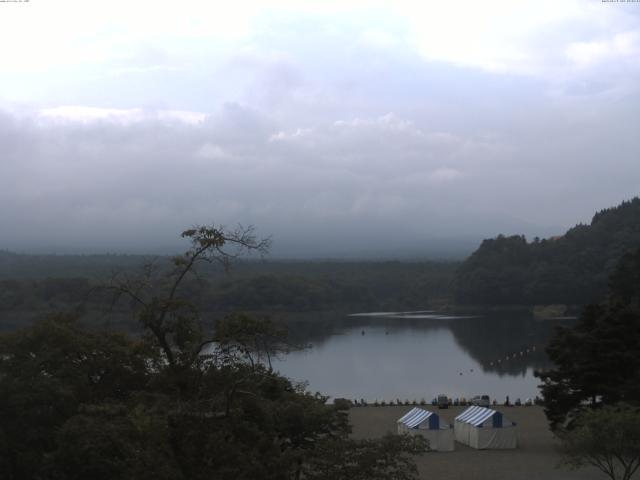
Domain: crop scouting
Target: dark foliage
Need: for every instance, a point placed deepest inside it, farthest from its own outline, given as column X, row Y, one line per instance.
column 251, row 286
column 571, row 269
column 79, row 405
column 177, row 403
column 607, row 439
column 598, row 360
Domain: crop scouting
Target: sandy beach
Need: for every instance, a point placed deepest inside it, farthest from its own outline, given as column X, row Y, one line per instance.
column 535, row 458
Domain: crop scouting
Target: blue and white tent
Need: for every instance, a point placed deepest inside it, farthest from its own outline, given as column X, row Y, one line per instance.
column 482, row 428
column 427, row 424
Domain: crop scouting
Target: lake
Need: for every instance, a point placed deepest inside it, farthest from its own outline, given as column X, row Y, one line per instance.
column 416, row 355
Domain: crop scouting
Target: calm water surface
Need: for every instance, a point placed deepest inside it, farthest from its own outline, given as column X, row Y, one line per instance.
column 415, row 355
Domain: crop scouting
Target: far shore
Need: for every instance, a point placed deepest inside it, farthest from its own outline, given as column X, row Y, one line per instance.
column 536, row 457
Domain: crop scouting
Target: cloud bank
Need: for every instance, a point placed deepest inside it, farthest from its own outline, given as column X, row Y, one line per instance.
column 339, row 130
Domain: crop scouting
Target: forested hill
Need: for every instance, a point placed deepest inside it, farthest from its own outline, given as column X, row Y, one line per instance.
column 570, row 269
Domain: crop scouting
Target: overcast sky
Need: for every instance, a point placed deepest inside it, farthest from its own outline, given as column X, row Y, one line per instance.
column 340, row 128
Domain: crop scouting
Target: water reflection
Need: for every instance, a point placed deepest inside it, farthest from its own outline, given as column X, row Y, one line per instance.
column 414, row 355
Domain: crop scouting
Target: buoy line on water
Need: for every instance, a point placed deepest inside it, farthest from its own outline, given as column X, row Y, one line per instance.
column 514, row 356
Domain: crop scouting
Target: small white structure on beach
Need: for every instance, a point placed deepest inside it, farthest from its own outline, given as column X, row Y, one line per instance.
column 427, row 424
column 483, row 428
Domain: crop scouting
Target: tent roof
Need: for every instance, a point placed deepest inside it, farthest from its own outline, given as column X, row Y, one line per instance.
column 476, row 415
column 415, row 417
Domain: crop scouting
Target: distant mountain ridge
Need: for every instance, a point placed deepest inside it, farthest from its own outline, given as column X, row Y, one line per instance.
column 570, row 269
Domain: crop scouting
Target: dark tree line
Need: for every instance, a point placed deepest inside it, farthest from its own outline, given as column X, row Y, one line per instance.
column 295, row 287
column 570, row 269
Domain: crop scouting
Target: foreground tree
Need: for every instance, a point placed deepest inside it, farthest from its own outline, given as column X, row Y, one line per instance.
column 608, row 439
column 254, row 339
column 173, row 404
column 156, row 293
column 49, row 374
column 598, row 360
column 79, row 405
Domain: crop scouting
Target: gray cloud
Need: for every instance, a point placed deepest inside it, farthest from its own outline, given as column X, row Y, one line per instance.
column 337, row 136
column 383, row 181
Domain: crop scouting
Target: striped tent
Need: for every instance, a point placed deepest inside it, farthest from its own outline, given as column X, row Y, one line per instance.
column 483, row 428
column 427, row 424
